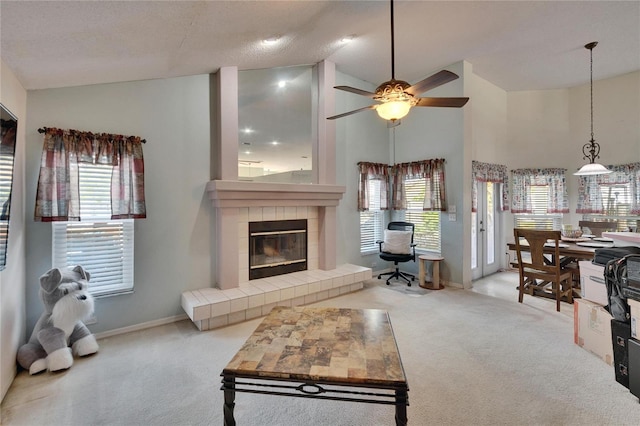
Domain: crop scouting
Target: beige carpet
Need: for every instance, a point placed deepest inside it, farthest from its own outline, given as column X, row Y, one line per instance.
column 472, row 358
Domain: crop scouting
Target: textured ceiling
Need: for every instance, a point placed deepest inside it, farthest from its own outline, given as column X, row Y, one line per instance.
column 518, row 45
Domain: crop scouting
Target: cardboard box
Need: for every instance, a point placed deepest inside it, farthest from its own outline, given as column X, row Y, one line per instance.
column 592, row 284
column 592, row 329
column 635, row 317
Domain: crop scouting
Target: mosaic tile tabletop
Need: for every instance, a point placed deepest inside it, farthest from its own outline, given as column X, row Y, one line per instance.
column 332, row 344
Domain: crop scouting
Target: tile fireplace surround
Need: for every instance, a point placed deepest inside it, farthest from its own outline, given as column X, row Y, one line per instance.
column 237, row 298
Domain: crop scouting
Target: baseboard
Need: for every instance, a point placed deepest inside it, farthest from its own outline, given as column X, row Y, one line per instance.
column 141, row 326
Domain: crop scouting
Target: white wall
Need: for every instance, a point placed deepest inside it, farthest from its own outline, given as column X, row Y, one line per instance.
column 548, row 128
column 12, row 279
column 173, row 244
column 428, row 133
column 359, row 137
column 489, row 142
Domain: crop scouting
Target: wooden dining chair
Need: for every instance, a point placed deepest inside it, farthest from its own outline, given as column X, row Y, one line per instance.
column 540, row 267
column 597, row 228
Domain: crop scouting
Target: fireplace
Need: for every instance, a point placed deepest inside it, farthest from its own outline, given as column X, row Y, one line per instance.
column 277, row 247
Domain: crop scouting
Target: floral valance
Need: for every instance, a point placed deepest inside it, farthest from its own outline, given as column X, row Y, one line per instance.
column 590, row 199
column 432, row 171
column 368, row 172
column 486, row 172
column 58, row 194
column 523, row 179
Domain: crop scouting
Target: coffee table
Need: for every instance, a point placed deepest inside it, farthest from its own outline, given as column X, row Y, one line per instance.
column 324, row 353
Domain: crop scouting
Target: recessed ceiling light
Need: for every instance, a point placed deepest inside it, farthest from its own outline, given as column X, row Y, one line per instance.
column 247, row 152
column 247, row 130
column 282, row 83
column 271, row 40
column 348, row 38
column 274, row 143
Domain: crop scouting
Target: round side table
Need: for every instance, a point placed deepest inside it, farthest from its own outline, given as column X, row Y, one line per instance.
column 422, row 263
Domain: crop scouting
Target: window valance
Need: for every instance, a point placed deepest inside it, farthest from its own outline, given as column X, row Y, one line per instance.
column 486, row 172
column 590, row 198
column 57, row 197
column 524, row 179
column 432, row 171
column 372, row 171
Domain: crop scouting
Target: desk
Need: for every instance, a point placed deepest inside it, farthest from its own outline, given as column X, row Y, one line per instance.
column 323, row 353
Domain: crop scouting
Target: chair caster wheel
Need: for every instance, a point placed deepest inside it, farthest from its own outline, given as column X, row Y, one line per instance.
column 379, row 276
column 409, row 284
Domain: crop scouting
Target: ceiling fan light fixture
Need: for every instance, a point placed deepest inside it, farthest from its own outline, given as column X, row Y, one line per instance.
column 393, row 110
column 397, row 97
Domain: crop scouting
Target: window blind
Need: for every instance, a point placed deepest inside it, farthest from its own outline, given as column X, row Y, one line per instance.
column 102, row 246
column 617, row 201
column 539, row 218
column 427, row 223
column 6, row 174
column 371, row 221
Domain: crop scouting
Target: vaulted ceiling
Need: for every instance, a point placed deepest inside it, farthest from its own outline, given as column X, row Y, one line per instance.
column 516, row 45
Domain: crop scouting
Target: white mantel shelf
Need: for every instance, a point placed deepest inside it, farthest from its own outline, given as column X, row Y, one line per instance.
column 235, row 193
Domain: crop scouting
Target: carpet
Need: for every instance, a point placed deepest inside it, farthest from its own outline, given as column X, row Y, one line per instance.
column 401, row 287
column 471, row 358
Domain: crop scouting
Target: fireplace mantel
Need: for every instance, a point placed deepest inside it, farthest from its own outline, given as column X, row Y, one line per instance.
column 235, row 193
column 235, row 201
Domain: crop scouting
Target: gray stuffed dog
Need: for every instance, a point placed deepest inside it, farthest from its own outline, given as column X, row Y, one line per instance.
column 60, row 332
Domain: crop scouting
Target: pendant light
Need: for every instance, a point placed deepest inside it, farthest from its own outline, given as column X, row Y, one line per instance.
column 591, row 149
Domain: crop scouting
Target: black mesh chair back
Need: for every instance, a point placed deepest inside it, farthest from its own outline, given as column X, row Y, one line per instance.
column 397, row 258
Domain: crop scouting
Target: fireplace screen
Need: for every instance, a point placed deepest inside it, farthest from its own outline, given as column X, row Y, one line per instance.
column 277, row 247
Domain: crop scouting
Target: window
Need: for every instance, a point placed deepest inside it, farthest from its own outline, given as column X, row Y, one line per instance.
column 427, row 223
column 104, row 247
column 371, row 221
column 539, row 218
column 617, row 203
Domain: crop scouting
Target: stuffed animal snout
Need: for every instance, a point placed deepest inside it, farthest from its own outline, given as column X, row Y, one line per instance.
column 75, row 305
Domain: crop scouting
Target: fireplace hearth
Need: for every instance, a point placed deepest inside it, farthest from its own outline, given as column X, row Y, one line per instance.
column 277, row 247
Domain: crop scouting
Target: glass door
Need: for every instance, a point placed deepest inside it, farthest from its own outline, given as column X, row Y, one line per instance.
column 485, row 230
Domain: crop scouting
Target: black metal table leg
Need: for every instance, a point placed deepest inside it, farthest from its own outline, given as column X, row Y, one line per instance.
column 229, row 386
column 401, row 407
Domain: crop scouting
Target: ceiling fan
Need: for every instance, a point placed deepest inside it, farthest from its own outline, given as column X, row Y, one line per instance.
column 396, row 97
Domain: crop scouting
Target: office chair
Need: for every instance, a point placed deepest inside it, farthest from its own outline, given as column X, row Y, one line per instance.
column 398, row 247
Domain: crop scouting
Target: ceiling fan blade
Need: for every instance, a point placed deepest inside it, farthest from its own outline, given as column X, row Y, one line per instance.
column 344, row 114
column 442, row 102
column 437, row 79
column 356, row 91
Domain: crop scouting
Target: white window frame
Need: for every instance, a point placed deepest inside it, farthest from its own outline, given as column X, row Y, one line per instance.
column 104, row 247
column 538, row 218
column 427, row 233
column 372, row 221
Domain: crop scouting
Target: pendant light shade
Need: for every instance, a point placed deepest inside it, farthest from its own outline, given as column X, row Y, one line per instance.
column 592, row 169
column 591, row 150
